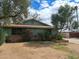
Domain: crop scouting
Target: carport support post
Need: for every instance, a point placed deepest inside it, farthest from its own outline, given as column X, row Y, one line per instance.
column 48, row 34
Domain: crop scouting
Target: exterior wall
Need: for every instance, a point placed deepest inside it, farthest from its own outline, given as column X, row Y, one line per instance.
column 74, row 34
column 28, row 34
column 36, row 31
column 66, row 34
column 34, row 34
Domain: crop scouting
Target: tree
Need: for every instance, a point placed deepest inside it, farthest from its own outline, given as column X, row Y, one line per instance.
column 11, row 9
column 66, row 12
column 14, row 8
column 76, row 9
column 63, row 19
column 75, row 25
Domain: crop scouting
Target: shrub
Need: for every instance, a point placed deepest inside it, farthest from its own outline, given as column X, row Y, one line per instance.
column 2, row 36
column 71, row 56
column 59, row 37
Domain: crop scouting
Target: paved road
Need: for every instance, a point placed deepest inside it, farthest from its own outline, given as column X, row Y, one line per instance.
column 73, row 40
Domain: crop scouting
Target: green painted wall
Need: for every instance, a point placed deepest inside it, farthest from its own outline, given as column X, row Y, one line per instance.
column 35, row 22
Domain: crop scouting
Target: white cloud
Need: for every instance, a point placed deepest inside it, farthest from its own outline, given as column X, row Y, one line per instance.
column 44, row 4
column 48, row 10
column 76, row 0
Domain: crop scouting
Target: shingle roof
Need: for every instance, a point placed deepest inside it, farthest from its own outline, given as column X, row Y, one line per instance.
column 37, row 21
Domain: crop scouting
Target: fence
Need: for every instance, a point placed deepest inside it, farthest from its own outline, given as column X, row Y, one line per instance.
column 71, row 34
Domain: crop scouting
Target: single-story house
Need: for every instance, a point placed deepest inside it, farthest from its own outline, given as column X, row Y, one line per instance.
column 29, row 30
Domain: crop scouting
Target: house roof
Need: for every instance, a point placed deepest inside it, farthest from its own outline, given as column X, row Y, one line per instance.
column 36, row 21
column 27, row 26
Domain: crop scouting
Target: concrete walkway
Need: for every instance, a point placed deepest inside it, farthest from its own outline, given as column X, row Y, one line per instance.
column 73, row 40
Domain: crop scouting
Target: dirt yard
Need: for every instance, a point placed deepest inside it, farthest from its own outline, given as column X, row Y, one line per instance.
column 34, row 51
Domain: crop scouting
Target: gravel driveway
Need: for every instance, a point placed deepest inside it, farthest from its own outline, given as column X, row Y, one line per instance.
column 73, row 40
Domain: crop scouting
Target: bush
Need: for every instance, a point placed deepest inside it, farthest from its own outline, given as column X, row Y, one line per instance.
column 2, row 36
column 59, row 37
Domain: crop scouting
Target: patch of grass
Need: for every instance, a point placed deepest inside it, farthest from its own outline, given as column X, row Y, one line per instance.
column 61, row 47
column 72, row 56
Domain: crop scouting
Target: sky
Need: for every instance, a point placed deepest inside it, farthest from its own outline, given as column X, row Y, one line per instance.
column 45, row 8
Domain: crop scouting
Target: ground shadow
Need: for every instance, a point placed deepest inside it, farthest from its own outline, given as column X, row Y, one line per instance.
column 38, row 44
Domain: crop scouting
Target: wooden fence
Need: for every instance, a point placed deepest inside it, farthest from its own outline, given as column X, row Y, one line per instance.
column 71, row 34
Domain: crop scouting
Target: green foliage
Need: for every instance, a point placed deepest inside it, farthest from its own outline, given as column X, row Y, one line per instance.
column 23, row 4
column 71, row 56
column 6, row 8
column 59, row 37
column 66, row 12
column 14, row 10
column 62, row 20
column 75, row 25
column 11, row 11
column 76, row 10
column 61, row 47
column 2, row 36
column 64, row 17
column 55, row 21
